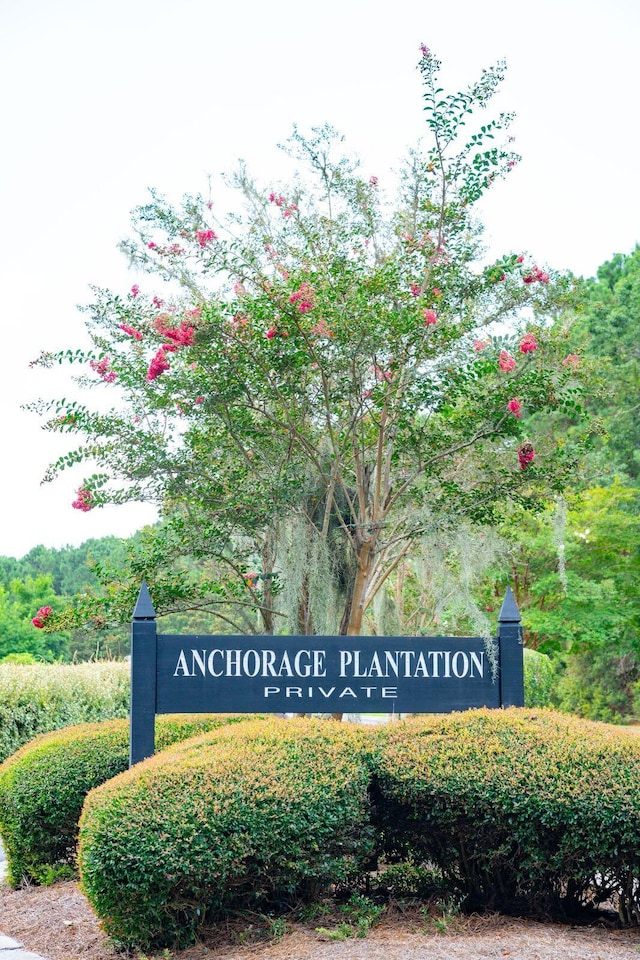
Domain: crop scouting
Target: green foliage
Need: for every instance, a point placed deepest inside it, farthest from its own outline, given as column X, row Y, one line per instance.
column 609, row 327
column 408, row 880
column 357, row 916
column 70, row 568
column 44, row 784
column 19, row 601
column 576, row 570
column 42, row 697
column 598, row 603
column 19, row 658
column 49, row 577
column 540, row 674
column 521, row 810
column 598, row 683
column 262, row 813
column 195, row 594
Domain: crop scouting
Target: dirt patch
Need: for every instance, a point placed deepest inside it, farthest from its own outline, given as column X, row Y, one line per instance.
column 58, row 923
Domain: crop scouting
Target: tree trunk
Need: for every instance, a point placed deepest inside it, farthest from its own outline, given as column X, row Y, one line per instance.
column 356, row 602
column 359, row 598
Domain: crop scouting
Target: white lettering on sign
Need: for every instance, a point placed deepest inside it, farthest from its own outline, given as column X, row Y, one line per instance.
column 309, row 693
column 251, row 663
column 410, row 664
column 311, row 665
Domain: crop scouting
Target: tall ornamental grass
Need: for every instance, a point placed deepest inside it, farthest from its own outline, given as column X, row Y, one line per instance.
column 37, row 698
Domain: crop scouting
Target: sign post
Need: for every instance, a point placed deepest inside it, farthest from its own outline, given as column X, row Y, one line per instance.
column 182, row 673
column 144, row 647
column 511, row 658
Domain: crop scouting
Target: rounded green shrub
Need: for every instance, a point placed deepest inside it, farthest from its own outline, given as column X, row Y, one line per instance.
column 258, row 814
column 522, row 810
column 44, row 784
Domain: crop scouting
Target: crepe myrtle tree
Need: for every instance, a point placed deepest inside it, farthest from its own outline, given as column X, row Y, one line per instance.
column 328, row 373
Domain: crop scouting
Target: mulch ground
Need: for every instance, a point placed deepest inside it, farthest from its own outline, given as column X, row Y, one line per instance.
column 58, row 923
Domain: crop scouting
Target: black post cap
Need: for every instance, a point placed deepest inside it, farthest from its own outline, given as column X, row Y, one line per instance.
column 144, row 607
column 509, row 612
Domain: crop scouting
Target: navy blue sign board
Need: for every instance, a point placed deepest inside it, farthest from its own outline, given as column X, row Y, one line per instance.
column 193, row 673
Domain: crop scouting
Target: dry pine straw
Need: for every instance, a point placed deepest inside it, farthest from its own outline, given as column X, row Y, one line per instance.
column 58, row 923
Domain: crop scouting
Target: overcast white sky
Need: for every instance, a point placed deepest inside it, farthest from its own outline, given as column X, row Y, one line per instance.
column 102, row 99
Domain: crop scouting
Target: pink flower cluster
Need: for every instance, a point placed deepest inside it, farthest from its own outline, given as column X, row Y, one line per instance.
column 382, row 375
column 238, row 321
column 425, row 240
column 135, row 290
column 321, row 329
column 182, row 335
column 204, row 237
column 429, row 317
column 159, row 363
column 102, row 368
column 480, row 345
column 280, row 201
column 415, row 289
column 571, row 360
column 41, row 617
column 274, row 332
column 161, row 323
column 136, row 334
column 373, row 181
column 84, row 500
column 515, row 407
column 536, row 274
column 303, row 298
column 506, row 361
column 526, row 455
column 528, row 343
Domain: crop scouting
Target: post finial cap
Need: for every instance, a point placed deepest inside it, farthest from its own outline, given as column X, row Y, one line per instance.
column 509, row 611
column 144, row 606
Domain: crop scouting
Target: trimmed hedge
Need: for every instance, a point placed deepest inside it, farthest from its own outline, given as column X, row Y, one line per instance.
column 525, row 811
column 44, row 784
column 37, row 698
column 521, row 810
column 246, row 817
